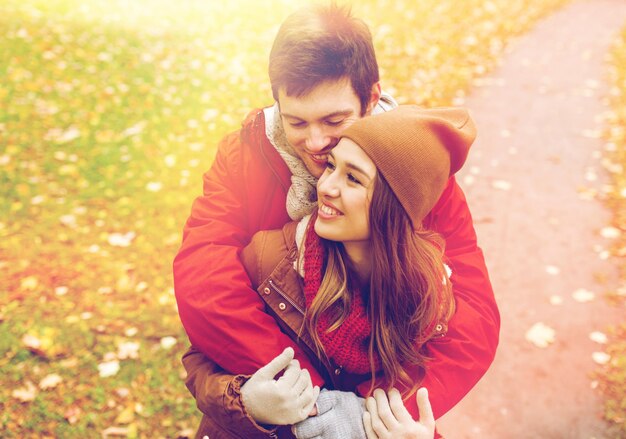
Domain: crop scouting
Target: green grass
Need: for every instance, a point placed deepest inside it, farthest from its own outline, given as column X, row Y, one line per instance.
column 110, row 113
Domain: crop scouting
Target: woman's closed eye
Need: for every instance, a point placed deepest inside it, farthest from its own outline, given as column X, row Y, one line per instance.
column 353, row 179
column 330, row 167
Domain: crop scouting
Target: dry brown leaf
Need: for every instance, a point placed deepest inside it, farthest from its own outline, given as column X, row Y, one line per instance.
column 553, row 270
column 556, row 300
column 31, row 342
column 108, row 368
column 582, row 295
column 168, row 342
column 128, row 349
column 126, row 416
column 29, row 283
column 26, row 393
column 598, row 337
column 501, row 185
column 610, row 232
column 115, row 432
column 186, row 433
column 72, row 414
column 601, row 357
column 540, row 335
column 50, row 381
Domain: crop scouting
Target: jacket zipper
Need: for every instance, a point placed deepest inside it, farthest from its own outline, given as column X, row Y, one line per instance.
column 327, row 366
column 285, row 296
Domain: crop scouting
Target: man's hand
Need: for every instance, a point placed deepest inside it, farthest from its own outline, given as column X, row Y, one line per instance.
column 285, row 401
column 339, row 416
column 388, row 418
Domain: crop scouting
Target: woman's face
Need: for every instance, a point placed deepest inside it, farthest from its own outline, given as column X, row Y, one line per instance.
column 344, row 193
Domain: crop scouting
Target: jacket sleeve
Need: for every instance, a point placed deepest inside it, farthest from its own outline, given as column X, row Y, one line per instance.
column 222, row 315
column 218, row 396
column 461, row 357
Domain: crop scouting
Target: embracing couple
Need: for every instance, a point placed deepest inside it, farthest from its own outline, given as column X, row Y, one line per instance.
column 329, row 278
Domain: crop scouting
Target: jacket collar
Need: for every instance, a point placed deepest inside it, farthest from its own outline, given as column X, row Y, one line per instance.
column 253, row 133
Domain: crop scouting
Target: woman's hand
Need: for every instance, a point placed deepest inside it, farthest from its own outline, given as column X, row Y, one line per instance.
column 285, row 401
column 388, row 418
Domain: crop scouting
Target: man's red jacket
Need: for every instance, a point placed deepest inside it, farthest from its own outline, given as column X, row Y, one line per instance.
column 244, row 192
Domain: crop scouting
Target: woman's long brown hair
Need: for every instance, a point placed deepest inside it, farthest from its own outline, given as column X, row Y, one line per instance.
column 409, row 290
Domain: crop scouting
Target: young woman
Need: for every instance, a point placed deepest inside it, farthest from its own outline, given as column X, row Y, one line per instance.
column 360, row 286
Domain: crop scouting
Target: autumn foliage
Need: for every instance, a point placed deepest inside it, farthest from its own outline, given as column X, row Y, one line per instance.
column 612, row 377
column 109, row 113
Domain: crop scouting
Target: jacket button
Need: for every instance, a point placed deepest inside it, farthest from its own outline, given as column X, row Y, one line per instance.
column 337, row 371
column 282, row 306
column 266, row 290
column 439, row 327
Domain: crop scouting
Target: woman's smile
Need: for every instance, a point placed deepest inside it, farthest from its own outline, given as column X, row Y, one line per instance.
column 327, row 212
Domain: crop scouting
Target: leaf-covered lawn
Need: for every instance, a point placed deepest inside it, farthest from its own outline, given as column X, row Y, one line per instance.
column 613, row 375
column 109, row 113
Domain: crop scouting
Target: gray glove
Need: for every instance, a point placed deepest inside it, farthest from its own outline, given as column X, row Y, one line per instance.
column 339, row 416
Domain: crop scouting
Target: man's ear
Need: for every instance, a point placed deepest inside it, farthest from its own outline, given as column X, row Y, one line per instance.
column 374, row 97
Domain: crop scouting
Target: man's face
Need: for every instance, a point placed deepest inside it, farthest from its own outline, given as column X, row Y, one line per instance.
column 314, row 122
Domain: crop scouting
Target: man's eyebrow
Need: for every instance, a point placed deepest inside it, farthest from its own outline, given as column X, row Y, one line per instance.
column 347, row 112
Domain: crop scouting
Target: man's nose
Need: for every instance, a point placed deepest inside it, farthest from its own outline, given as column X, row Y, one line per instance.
column 317, row 140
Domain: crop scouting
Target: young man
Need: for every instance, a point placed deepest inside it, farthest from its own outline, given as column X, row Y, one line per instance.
column 324, row 76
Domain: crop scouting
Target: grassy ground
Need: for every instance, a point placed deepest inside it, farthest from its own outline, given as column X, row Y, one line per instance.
column 110, row 112
column 613, row 375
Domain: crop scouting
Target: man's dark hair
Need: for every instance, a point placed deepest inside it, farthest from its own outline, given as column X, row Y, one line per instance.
column 323, row 43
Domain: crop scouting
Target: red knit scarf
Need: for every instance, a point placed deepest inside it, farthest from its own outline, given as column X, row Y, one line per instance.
column 348, row 345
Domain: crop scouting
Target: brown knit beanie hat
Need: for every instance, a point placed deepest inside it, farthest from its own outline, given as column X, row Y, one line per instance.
column 416, row 150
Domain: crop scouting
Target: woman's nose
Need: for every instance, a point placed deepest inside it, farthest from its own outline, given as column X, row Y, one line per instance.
column 327, row 186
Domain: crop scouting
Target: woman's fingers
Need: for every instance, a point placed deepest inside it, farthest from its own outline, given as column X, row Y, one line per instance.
column 387, row 417
column 384, row 410
column 426, row 412
column 377, row 424
column 397, row 406
column 367, row 423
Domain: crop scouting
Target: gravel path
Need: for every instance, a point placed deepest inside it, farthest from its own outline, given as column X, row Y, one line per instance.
column 530, row 182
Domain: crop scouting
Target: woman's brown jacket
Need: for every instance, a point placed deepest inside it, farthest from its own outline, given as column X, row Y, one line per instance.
column 269, row 260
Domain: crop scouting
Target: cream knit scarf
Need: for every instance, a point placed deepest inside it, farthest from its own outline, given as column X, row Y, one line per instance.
column 302, row 195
